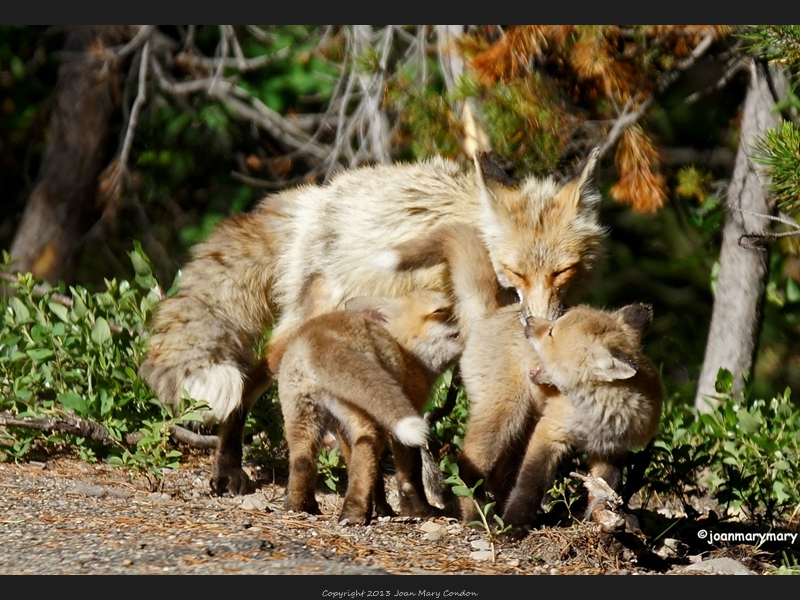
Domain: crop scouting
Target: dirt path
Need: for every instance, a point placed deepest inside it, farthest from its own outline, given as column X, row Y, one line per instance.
column 70, row 517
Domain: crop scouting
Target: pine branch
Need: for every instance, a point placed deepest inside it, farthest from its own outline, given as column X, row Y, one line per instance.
column 632, row 112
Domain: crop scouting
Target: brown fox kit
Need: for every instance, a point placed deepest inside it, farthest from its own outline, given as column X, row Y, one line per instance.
column 594, row 358
column 590, row 387
column 318, row 240
column 367, row 371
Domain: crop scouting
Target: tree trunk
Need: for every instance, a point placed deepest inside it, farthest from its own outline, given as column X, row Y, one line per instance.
column 735, row 320
column 64, row 205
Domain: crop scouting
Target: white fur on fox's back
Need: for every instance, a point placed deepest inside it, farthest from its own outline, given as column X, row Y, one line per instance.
column 364, row 211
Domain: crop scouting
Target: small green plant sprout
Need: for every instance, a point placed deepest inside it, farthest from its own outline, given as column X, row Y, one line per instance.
column 330, row 466
column 460, row 488
column 789, row 565
column 154, row 451
column 562, row 492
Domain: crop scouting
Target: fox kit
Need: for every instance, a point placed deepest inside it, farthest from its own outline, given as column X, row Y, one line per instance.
column 367, row 370
column 261, row 266
column 613, row 397
column 587, row 386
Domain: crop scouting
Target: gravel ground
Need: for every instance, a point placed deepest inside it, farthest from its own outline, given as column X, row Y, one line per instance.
column 70, row 517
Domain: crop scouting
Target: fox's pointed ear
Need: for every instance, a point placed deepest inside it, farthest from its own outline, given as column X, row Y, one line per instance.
column 612, row 365
column 495, row 219
column 582, row 191
column 376, row 308
column 490, row 169
column 639, row 316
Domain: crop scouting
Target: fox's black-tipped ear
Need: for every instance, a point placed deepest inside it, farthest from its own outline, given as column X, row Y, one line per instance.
column 639, row 316
column 494, row 169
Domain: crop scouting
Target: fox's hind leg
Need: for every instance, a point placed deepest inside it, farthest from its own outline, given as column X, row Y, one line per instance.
column 304, row 426
column 410, row 486
column 227, row 474
column 367, row 444
column 382, row 506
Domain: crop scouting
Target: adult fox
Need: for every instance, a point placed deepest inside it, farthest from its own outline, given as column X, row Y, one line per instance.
column 257, row 269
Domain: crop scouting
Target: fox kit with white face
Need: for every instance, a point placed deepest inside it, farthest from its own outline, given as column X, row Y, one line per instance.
column 367, row 371
column 261, row 266
column 588, row 386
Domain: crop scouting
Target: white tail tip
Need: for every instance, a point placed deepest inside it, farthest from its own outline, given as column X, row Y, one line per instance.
column 220, row 386
column 385, row 260
column 412, row 431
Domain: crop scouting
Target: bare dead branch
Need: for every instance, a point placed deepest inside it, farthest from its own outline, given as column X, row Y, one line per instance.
column 39, row 290
column 96, row 432
column 141, row 95
column 259, row 113
column 759, row 238
column 246, row 107
column 141, row 37
column 192, row 439
column 269, row 185
column 735, row 65
column 237, row 49
column 65, row 424
column 244, row 65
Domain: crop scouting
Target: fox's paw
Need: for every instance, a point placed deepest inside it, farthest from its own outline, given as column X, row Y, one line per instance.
column 308, row 505
column 233, row 481
column 353, row 513
column 383, row 509
column 414, row 506
column 514, row 533
column 519, row 519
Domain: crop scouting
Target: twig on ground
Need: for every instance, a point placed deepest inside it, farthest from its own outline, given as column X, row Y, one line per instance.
column 94, row 431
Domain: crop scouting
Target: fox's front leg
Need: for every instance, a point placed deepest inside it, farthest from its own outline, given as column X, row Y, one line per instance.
column 545, row 449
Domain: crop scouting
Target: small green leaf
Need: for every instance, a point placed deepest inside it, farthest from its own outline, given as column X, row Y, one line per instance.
column 101, row 332
column 39, row 355
column 59, row 310
column 73, row 401
column 21, row 312
column 780, row 491
column 78, row 305
column 461, row 490
column 747, row 422
column 140, row 264
column 724, row 383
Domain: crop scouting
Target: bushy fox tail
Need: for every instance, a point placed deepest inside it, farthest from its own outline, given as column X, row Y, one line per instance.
column 204, row 336
column 458, row 245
